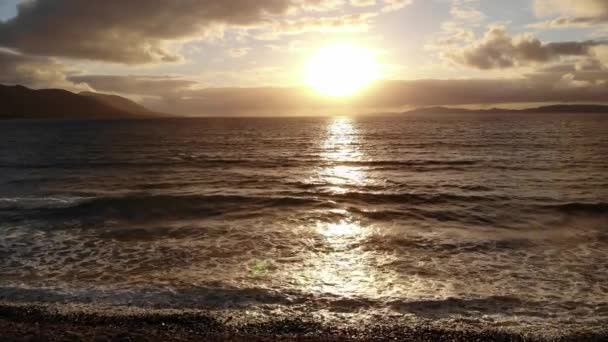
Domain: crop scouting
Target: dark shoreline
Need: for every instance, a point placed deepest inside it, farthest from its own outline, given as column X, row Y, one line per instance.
column 33, row 323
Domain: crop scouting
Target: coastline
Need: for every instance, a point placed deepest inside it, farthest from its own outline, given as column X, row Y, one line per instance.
column 53, row 323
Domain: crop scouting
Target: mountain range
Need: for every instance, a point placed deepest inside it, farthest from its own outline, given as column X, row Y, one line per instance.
column 19, row 102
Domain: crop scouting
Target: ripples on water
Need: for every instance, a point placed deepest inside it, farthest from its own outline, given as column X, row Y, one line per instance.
column 497, row 220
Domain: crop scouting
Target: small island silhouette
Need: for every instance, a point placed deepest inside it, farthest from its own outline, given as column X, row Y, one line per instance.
column 559, row 108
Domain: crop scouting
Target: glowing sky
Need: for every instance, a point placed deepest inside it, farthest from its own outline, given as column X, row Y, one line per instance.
column 201, row 56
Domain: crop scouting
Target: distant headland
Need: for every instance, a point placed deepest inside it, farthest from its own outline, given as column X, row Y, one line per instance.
column 19, row 102
column 561, row 108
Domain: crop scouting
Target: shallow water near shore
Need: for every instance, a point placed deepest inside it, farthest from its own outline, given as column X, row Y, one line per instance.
column 493, row 221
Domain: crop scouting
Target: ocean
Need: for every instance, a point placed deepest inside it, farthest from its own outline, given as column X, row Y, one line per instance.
column 490, row 221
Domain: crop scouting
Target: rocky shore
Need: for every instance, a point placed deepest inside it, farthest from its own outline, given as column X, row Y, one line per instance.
column 34, row 323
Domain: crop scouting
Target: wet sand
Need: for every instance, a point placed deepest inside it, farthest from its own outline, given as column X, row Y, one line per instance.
column 34, row 323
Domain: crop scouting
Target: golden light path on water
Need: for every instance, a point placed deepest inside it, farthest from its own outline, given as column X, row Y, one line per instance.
column 342, row 268
column 341, row 145
column 347, row 266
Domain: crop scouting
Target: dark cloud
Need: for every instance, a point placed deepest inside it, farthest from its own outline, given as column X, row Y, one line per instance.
column 498, row 50
column 131, row 32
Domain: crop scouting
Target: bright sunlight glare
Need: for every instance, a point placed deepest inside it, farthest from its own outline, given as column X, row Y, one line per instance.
column 341, row 70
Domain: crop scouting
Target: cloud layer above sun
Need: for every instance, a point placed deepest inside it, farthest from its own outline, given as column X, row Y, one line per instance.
column 214, row 57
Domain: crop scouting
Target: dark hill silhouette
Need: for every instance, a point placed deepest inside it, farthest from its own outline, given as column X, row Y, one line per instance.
column 582, row 108
column 19, row 102
column 120, row 103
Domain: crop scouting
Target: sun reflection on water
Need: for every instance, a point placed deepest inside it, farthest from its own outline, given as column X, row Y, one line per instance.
column 341, row 267
column 339, row 149
column 340, row 229
column 341, row 141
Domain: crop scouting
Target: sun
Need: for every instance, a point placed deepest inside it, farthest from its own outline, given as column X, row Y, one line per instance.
column 341, row 70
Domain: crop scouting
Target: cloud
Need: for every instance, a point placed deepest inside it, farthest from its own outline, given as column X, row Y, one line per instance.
column 362, row 3
column 497, row 50
column 587, row 73
column 575, row 8
column 459, row 28
column 571, row 13
column 358, row 22
column 384, row 96
column 601, row 53
column 238, row 52
column 466, row 11
column 320, row 5
column 35, row 72
column 135, row 85
column 486, row 91
column 572, row 82
column 395, row 5
column 134, row 31
column 239, row 101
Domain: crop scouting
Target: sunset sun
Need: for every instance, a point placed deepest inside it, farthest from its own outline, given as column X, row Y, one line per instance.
column 341, row 70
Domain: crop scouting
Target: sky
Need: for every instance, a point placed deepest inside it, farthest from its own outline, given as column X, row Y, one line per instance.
column 243, row 57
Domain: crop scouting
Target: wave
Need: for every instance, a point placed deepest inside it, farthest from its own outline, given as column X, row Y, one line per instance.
column 222, row 296
column 409, row 162
column 16, row 203
column 427, row 216
column 582, row 208
column 213, row 162
column 148, row 207
column 492, row 210
column 387, row 242
column 410, row 198
column 414, row 165
column 143, row 164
